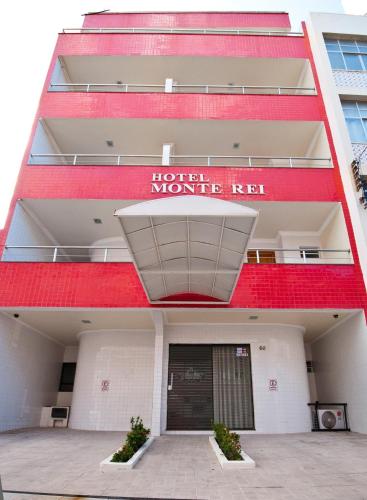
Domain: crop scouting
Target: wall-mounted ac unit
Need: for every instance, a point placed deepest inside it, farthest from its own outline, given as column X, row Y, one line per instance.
column 55, row 416
column 331, row 419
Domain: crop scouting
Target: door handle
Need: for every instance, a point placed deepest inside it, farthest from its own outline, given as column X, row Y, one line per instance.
column 170, row 385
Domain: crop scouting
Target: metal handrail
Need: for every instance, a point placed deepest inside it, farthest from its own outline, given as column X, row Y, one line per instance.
column 206, row 88
column 302, row 253
column 211, row 160
column 184, row 31
column 60, row 252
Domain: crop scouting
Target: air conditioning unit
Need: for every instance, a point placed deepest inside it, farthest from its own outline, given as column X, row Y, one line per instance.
column 55, row 416
column 331, row 419
column 60, row 416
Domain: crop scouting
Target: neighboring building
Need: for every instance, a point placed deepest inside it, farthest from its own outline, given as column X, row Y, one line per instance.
column 179, row 233
column 339, row 45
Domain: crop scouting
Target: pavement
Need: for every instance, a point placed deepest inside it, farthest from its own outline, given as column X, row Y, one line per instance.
column 325, row 466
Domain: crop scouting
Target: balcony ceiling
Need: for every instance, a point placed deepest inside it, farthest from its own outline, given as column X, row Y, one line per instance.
column 184, row 70
column 190, row 137
column 187, row 245
column 71, row 221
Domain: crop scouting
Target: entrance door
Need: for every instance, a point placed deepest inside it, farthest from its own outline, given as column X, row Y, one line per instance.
column 209, row 383
column 190, row 387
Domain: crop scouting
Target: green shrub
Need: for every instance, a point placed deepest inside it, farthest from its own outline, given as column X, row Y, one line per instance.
column 228, row 442
column 135, row 439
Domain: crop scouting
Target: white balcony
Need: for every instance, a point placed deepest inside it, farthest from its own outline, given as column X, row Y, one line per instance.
column 45, row 230
column 177, row 74
column 241, row 143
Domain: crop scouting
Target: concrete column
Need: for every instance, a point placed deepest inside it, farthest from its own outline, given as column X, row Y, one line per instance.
column 158, row 372
column 168, row 86
column 167, row 151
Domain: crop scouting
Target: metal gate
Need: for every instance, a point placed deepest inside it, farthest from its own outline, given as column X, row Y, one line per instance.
column 190, row 387
column 209, row 382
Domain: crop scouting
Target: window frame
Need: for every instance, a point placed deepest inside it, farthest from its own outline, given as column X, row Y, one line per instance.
column 360, row 116
column 358, row 53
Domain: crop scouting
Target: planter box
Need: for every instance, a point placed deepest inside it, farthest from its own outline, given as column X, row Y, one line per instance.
column 246, row 463
column 107, row 465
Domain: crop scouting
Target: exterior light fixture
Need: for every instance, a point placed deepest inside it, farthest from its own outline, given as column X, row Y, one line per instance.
column 253, row 317
column 97, row 221
column 109, row 143
column 86, row 321
column 16, row 315
column 236, row 145
column 335, row 316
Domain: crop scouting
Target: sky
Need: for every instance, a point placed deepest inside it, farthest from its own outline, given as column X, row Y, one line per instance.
column 28, row 35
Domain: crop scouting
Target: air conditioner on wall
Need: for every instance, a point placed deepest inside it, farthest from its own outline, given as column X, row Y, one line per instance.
column 55, row 416
column 331, row 419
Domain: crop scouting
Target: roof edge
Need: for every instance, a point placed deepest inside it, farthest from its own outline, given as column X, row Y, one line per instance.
column 187, row 12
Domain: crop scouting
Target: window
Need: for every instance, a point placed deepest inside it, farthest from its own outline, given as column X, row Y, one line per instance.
column 261, row 257
column 67, row 377
column 309, row 252
column 350, row 55
column 355, row 114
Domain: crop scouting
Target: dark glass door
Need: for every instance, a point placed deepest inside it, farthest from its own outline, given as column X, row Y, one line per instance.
column 190, row 387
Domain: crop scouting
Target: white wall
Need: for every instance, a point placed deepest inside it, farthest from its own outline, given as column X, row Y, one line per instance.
column 296, row 239
column 30, row 367
column 334, row 235
column 319, row 147
column 126, row 360
column 280, row 411
column 311, row 375
column 26, row 230
column 60, row 73
column 44, row 142
column 340, row 361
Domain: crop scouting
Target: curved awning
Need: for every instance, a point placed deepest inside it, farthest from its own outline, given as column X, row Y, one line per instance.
column 187, row 245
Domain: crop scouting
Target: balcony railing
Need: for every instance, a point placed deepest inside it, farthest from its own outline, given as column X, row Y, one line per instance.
column 183, row 31
column 179, row 160
column 44, row 253
column 182, row 88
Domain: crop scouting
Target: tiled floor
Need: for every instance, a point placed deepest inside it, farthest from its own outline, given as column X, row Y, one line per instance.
column 330, row 466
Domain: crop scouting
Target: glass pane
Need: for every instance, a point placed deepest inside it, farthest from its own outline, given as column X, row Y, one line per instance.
column 364, row 59
column 363, row 109
column 350, row 109
column 353, row 62
column 332, row 44
column 362, row 46
column 348, row 46
column 356, row 131
column 336, row 60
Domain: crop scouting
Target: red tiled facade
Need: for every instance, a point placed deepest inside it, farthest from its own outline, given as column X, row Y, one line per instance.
column 117, row 285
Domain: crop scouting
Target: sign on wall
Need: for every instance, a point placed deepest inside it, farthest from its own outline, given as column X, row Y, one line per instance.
column 273, row 384
column 198, row 184
column 105, row 385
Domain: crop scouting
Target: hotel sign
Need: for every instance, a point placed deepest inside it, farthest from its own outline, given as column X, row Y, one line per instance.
column 198, row 184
